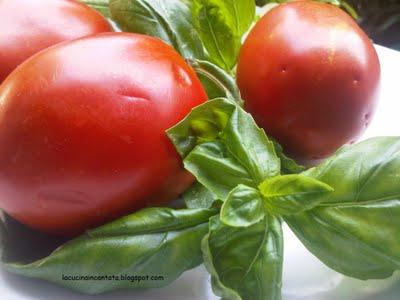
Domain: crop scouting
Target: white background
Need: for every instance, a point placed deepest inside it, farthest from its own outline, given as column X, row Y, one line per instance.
column 304, row 276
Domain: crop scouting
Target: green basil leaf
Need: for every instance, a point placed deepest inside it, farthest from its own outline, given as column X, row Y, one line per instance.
column 288, row 165
column 153, row 242
column 198, row 196
column 215, row 168
column 204, row 123
column 216, row 81
column 250, row 145
column 291, row 194
column 102, row 6
column 245, row 263
column 221, row 24
column 243, row 207
column 355, row 229
column 169, row 20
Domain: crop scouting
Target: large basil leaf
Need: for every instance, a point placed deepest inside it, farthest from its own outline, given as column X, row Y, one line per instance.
column 153, row 242
column 216, row 81
column 355, row 229
column 245, row 263
column 221, row 24
column 291, row 194
column 169, row 20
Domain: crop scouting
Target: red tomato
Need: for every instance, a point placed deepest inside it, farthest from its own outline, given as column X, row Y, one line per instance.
column 29, row 26
column 82, row 131
column 309, row 75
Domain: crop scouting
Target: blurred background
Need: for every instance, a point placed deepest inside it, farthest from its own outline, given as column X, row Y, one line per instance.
column 379, row 18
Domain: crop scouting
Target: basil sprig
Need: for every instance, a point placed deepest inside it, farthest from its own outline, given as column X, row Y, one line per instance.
column 344, row 210
column 236, row 162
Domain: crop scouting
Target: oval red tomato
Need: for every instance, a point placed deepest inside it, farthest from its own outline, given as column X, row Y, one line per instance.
column 82, row 131
column 28, row 26
column 309, row 75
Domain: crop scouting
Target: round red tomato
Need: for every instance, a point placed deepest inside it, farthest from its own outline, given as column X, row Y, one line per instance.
column 29, row 26
column 309, row 75
column 82, row 131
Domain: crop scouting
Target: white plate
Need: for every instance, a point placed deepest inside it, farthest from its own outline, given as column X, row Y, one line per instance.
column 304, row 276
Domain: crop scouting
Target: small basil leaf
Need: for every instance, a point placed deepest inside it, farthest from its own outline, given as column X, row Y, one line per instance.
column 204, row 123
column 216, row 81
column 245, row 263
column 102, row 6
column 198, row 196
column 153, row 242
column 354, row 230
column 169, row 20
column 216, row 169
column 243, row 207
column 288, row 165
column 250, row 145
column 291, row 194
column 221, row 24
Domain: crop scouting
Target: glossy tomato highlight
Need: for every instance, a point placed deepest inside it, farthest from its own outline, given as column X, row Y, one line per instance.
column 82, row 131
column 309, row 75
column 29, row 26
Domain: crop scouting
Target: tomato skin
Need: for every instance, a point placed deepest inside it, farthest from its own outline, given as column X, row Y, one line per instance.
column 82, row 131
column 310, row 76
column 29, row 26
